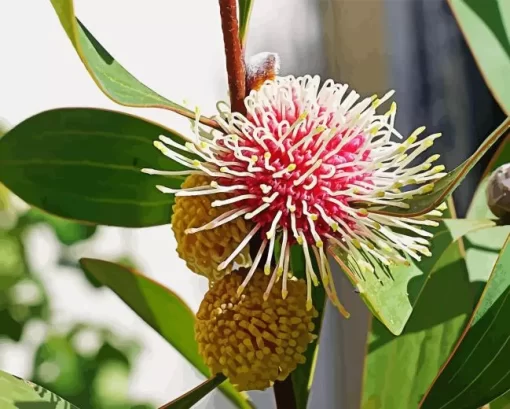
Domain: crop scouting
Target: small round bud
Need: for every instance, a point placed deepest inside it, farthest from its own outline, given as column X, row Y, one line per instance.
column 252, row 340
column 498, row 192
column 205, row 250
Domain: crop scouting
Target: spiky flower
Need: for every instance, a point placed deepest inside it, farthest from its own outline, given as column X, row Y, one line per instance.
column 254, row 339
column 308, row 164
column 204, row 250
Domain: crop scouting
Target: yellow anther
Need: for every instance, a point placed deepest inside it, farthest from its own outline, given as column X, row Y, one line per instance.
column 363, row 212
column 267, row 155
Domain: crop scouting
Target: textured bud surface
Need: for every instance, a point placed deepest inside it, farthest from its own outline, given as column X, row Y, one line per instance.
column 498, row 191
column 254, row 341
column 203, row 251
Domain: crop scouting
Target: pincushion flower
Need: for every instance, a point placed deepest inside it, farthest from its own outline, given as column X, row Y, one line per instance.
column 308, row 164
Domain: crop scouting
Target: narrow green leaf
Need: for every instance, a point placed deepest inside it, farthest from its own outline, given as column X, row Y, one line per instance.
column 187, row 400
column 477, row 372
column 111, row 77
column 161, row 309
column 245, row 7
column 392, row 293
column 486, row 27
column 85, row 164
column 445, row 186
column 398, row 369
column 16, row 393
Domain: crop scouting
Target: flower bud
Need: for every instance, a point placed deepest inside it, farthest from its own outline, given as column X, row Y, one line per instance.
column 205, row 250
column 498, row 192
column 254, row 341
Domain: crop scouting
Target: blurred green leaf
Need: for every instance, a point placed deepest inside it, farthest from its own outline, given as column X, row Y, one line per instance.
column 59, row 367
column 187, row 400
column 13, row 266
column 161, row 309
column 85, row 164
column 67, row 231
column 445, row 186
column 302, row 376
column 111, row 77
column 486, row 27
column 398, row 369
column 392, row 292
column 477, row 372
column 16, row 393
column 245, row 7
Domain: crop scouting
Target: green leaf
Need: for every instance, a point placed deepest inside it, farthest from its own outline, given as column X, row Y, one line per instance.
column 486, row 27
column 245, row 7
column 111, row 77
column 161, row 309
column 16, row 393
column 445, row 186
column 13, row 266
column 187, row 400
column 398, row 369
column 85, row 164
column 477, row 371
column 302, row 376
column 503, row 402
column 392, row 293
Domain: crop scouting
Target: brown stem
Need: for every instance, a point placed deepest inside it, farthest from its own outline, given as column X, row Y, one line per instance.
column 284, row 394
column 234, row 55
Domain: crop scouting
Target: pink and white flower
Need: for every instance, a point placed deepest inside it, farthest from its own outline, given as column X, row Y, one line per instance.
column 308, row 164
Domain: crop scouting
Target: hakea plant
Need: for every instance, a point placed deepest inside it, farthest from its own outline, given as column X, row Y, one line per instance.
column 289, row 170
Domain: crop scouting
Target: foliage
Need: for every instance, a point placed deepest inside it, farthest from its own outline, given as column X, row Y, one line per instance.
column 440, row 335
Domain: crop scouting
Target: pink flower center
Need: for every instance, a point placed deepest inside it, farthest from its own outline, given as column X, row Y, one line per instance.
column 316, row 175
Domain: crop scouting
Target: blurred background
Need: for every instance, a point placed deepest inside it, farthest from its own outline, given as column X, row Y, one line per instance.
column 60, row 328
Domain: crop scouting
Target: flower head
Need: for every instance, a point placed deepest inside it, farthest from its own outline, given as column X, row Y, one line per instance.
column 204, row 249
column 308, row 164
column 252, row 339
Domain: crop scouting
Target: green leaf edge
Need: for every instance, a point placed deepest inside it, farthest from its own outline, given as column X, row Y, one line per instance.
column 196, row 394
column 68, row 20
column 31, row 387
column 447, row 184
column 468, row 324
column 245, row 9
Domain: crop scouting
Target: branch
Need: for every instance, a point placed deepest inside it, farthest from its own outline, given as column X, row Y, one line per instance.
column 284, row 394
column 234, row 55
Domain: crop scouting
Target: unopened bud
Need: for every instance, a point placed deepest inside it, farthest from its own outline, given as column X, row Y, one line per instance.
column 498, row 192
column 260, row 68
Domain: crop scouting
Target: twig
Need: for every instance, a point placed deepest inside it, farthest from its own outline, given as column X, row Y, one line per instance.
column 284, row 394
column 234, row 56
